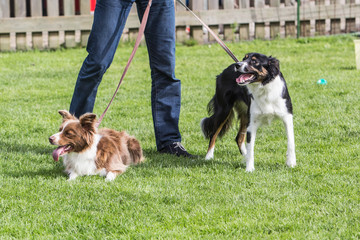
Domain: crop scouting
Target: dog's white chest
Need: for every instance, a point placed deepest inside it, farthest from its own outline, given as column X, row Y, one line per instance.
column 267, row 102
column 82, row 163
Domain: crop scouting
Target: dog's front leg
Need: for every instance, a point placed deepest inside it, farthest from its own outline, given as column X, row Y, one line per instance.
column 72, row 175
column 250, row 140
column 290, row 154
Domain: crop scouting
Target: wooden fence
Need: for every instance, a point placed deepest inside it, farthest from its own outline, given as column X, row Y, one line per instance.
column 50, row 24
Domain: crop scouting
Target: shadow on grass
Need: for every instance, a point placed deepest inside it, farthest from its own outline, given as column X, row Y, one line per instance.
column 158, row 160
column 25, row 148
column 47, row 173
column 154, row 160
column 27, row 151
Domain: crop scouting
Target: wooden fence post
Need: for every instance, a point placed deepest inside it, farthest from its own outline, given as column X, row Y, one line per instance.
column 37, row 41
column 181, row 34
column 54, row 36
column 69, row 10
column 229, row 30
column 4, row 8
column 327, row 20
column 244, row 29
column 213, row 5
column 259, row 27
column 357, row 18
column 197, row 31
column 5, row 37
column 84, row 10
column 132, row 32
column 19, row 43
column 274, row 26
column 357, row 53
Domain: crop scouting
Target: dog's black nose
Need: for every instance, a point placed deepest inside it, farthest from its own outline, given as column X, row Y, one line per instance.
column 242, row 67
column 51, row 140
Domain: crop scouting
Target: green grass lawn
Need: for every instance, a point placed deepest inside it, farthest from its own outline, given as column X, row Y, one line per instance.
column 175, row 198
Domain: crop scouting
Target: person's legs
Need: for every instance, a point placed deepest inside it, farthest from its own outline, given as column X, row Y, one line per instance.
column 109, row 21
column 166, row 89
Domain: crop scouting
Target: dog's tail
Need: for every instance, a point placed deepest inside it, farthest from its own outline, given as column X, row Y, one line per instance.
column 221, row 117
column 135, row 150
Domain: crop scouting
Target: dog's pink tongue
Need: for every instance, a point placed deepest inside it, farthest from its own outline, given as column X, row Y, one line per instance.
column 243, row 78
column 57, row 152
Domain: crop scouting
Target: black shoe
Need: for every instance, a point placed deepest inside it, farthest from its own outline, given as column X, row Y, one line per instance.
column 176, row 149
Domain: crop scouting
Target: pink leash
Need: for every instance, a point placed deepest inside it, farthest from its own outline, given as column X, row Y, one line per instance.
column 137, row 43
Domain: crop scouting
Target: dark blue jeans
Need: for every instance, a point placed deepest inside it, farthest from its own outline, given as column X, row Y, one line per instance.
column 109, row 21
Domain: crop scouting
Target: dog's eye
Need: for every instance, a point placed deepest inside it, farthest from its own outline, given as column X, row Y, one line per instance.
column 253, row 61
column 69, row 133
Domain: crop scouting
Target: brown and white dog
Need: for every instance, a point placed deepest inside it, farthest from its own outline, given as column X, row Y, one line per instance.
column 256, row 90
column 88, row 151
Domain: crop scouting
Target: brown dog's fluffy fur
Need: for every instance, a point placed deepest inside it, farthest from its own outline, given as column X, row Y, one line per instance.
column 89, row 151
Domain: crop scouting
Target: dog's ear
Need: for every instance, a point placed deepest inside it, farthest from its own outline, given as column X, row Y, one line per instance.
column 88, row 121
column 66, row 115
column 274, row 66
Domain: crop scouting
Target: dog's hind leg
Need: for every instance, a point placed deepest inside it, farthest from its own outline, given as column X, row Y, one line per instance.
column 210, row 152
column 240, row 137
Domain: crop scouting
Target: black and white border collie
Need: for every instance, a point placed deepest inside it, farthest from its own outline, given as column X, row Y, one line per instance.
column 256, row 90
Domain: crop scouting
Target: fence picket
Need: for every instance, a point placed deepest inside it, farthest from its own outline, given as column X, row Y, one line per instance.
column 84, row 7
column 20, row 8
column 197, row 31
column 69, row 10
column 4, row 37
column 36, row 8
column 4, row 8
column 69, row 7
column 213, row 5
column 181, row 34
column 84, row 33
column 53, row 36
column 229, row 29
column 19, row 42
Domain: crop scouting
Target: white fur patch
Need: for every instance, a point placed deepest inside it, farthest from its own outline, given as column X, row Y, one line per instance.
column 267, row 103
column 110, row 176
column 82, row 163
column 210, row 154
column 243, row 149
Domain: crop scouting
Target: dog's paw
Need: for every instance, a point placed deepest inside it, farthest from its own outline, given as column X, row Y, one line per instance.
column 102, row 172
column 210, row 154
column 291, row 159
column 291, row 163
column 72, row 176
column 243, row 150
column 250, row 169
column 250, row 165
column 110, row 176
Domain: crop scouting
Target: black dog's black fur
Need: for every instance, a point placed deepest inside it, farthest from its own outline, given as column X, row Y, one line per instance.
column 222, row 104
